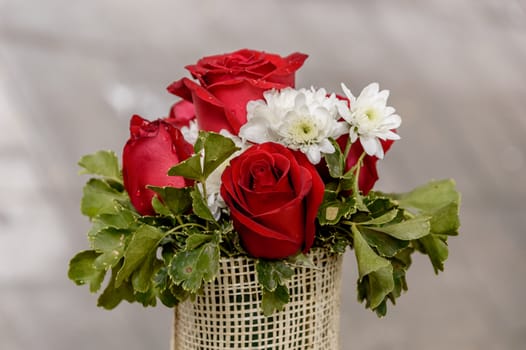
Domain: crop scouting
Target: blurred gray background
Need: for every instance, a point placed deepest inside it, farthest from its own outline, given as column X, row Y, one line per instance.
column 73, row 72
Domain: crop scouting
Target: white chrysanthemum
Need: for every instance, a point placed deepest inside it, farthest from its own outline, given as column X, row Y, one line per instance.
column 214, row 201
column 370, row 118
column 298, row 119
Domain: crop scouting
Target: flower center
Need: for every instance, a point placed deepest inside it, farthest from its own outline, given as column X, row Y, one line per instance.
column 372, row 114
column 303, row 130
column 262, row 175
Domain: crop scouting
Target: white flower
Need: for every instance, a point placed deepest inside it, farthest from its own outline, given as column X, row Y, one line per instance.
column 298, row 119
column 370, row 118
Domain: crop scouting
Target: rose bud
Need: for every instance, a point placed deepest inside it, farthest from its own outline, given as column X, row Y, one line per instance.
column 273, row 195
column 153, row 148
column 227, row 82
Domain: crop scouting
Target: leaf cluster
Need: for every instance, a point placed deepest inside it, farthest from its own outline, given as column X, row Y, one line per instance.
column 384, row 230
column 168, row 257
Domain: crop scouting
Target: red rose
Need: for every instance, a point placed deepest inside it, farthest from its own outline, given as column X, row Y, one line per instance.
column 273, row 195
column 229, row 81
column 153, row 148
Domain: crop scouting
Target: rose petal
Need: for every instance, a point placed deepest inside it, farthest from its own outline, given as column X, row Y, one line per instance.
column 235, row 94
column 181, row 113
column 261, row 241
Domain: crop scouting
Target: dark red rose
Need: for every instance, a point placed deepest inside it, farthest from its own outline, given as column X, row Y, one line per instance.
column 227, row 82
column 247, row 63
column 153, row 148
column 273, row 194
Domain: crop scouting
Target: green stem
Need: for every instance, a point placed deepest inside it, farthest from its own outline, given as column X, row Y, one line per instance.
column 179, row 220
column 356, row 189
column 357, row 167
column 347, row 148
column 188, row 224
column 205, row 196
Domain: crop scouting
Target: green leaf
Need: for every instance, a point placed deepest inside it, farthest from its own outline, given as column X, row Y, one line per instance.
column 112, row 295
column 142, row 245
column 110, row 242
column 122, row 219
column 162, row 283
column 386, row 245
column 189, row 168
column 100, row 198
column 381, row 310
column 404, row 256
column 436, row 249
column 162, row 279
column 191, row 267
column 335, row 161
column 331, row 212
column 378, row 205
column 301, row 260
column 367, row 260
column 407, row 230
column 445, row 220
column 142, row 278
column 199, row 205
column 274, row 300
column 428, row 197
column 273, row 273
column 148, row 298
column 82, row 270
column 196, row 240
column 217, row 149
column 440, row 201
column 177, row 200
column 159, row 207
column 382, row 219
column 102, row 163
column 381, row 283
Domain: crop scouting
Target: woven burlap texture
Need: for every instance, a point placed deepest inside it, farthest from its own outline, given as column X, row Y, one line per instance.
column 228, row 313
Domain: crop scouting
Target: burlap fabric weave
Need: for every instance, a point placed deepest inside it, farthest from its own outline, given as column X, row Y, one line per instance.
column 227, row 315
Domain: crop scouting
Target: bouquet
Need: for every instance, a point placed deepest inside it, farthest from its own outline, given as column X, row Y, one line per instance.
column 246, row 164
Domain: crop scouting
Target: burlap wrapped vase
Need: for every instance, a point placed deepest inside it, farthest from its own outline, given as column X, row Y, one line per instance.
column 228, row 313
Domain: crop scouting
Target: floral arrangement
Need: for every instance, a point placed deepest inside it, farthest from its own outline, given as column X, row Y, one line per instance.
column 247, row 164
